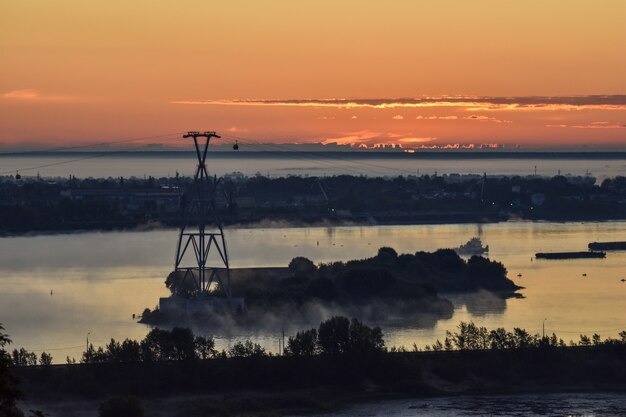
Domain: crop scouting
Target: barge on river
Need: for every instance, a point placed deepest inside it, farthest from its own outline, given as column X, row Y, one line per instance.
column 607, row 246
column 569, row 255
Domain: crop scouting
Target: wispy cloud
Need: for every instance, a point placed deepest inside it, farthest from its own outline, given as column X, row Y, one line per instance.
column 34, row 95
column 417, row 140
column 436, row 117
column 600, row 125
column 482, row 118
column 592, row 125
column 470, row 103
column 368, row 138
column 235, row 129
column 356, row 138
column 398, row 117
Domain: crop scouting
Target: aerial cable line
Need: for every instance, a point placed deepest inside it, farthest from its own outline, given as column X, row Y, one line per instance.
column 323, row 160
column 69, row 161
column 331, row 156
column 90, row 145
column 305, row 156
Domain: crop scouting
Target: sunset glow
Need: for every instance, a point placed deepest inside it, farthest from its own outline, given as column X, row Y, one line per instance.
column 416, row 74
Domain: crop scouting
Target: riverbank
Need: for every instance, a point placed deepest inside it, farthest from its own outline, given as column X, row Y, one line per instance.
column 294, row 385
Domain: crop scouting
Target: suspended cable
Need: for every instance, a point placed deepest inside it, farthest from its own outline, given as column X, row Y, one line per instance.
column 90, row 145
column 69, row 161
column 326, row 156
column 306, row 156
column 94, row 156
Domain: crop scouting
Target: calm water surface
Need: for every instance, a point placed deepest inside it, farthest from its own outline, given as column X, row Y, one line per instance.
column 98, row 280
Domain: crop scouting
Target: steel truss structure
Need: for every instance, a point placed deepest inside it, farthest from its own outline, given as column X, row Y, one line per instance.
column 201, row 230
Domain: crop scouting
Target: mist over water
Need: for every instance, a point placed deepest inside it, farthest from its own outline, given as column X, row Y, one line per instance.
column 98, row 280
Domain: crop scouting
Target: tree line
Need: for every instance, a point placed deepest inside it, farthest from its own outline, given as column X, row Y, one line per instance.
column 352, row 347
column 469, row 336
column 335, row 336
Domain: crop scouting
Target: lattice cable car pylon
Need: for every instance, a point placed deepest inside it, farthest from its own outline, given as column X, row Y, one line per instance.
column 201, row 229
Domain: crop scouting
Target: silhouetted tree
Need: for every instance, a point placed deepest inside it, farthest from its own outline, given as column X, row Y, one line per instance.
column 9, row 391
column 338, row 335
column 365, row 339
column 302, row 266
column 387, row 255
column 45, row 359
column 163, row 345
column 334, row 335
column 245, row 350
column 93, row 355
column 448, row 260
column 523, row 339
column 469, row 337
column 501, row 339
column 22, row 357
column 484, row 273
column 183, row 343
column 304, row 343
column 584, row 340
column 181, row 284
column 130, row 351
column 204, row 347
column 127, row 351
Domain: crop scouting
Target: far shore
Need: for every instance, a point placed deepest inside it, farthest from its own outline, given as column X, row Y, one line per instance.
column 291, row 224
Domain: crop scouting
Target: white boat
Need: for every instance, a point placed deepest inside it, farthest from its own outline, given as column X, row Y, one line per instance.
column 473, row 247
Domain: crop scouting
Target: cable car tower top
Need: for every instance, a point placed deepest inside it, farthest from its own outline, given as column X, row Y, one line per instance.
column 201, row 229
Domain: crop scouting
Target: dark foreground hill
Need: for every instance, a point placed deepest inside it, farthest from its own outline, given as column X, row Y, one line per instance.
column 275, row 385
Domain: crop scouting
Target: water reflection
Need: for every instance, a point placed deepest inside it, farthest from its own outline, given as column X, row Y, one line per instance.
column 480, row 303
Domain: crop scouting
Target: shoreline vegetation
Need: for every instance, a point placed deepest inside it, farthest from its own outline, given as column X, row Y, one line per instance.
column 339, row 363
column 373, row 289
column 61, row 205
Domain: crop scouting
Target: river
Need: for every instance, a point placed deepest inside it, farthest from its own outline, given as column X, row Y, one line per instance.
column 57, row 290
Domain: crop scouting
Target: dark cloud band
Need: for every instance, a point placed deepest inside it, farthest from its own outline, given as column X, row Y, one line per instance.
column 472, row 103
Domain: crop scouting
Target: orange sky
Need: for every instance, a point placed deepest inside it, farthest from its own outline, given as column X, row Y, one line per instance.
column 90, row 71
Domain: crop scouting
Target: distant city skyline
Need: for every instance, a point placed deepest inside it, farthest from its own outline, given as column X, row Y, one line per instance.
column 445, row 74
